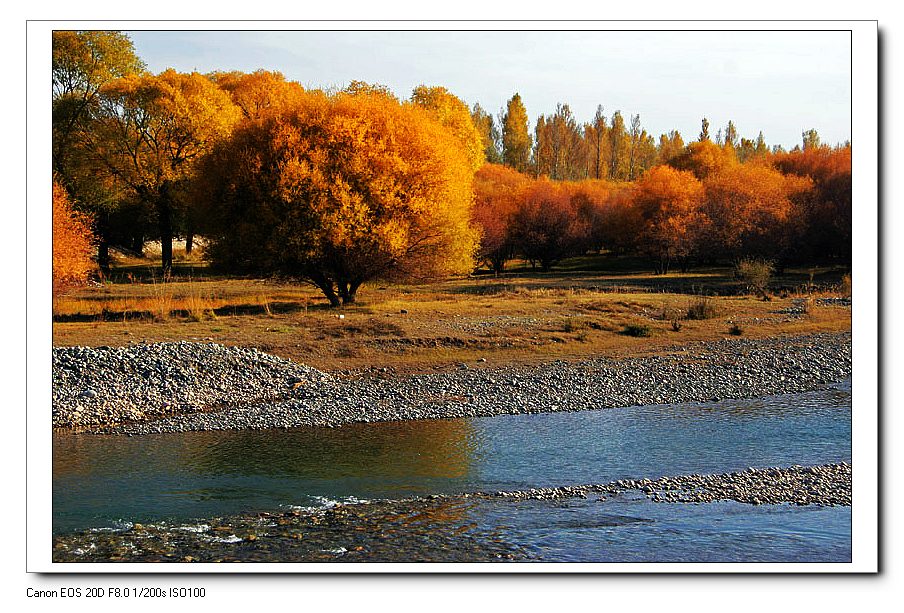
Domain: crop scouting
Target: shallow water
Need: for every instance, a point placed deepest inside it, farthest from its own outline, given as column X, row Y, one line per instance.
column 112, row 480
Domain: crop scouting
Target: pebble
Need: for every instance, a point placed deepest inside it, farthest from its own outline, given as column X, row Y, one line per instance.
column 178, row 387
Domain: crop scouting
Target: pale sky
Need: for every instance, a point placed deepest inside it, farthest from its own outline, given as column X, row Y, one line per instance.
column 779, row 82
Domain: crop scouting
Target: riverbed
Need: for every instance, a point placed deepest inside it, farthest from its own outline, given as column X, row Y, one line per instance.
column 218, row 484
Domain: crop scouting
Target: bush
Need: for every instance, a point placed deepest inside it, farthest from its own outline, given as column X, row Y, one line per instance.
column 846, row 290
column 702, row 307
column 637, row 330
column 755, row 274
column 72, row 243
column 735, row 330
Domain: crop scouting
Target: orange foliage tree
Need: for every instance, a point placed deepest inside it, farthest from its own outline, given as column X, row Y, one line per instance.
column 546, row 226
column 257, row 91
column 338, row 190
column 72, row 243
column 496, row 190
column 669, row 201
column 827, row 213
column 750, row 207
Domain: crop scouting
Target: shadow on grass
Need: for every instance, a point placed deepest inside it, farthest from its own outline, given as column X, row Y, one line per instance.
column 272, row 308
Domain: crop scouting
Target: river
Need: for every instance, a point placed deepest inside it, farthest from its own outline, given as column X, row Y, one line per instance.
column 111, row 482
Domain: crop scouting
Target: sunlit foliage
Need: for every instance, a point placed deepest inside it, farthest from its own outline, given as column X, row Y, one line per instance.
column 150, row 132
column 72, row 243
column 339, row 190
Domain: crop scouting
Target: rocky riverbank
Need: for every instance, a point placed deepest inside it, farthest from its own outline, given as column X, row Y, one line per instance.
column 173, row 387
column 430, row 528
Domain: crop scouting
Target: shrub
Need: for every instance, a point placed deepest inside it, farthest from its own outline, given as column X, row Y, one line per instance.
column 72, row 243
column 755, row 274
column 702, row 307
column 735, row 330
column 846, row 290
column 637, row 330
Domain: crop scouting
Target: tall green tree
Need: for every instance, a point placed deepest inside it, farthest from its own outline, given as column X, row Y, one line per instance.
column 489, row 134
column 516, row 140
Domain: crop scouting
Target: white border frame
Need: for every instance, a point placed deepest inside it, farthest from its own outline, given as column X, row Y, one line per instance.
column 864, row 109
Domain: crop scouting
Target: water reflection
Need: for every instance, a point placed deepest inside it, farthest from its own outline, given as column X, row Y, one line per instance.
column 98, row 480
column 438, row 448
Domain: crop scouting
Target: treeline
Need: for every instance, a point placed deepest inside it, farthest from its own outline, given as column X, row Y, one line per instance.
column 703, row 206
column 339, row 187
column 564, row 149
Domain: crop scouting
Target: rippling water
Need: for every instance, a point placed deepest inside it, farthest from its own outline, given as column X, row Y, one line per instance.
column 103, row 481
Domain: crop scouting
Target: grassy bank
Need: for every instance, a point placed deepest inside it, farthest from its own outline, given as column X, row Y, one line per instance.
column 524, row 317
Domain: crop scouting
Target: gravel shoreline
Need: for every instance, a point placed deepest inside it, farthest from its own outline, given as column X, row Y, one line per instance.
column 426, row 528
column 176, row 387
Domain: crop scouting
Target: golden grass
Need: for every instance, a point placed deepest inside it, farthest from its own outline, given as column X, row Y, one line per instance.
column 419, row 328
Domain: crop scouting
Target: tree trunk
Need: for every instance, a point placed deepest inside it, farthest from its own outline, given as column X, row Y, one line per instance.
column 165, row 226
column 189, row 242
column 103, row 242
column 103, row 254
column 348, row 291
column 137, row 244
column 325, row 286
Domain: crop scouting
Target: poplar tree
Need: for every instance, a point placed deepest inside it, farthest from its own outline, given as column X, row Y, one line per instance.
column 516, row 140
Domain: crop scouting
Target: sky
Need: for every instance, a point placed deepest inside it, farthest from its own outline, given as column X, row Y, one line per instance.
column 779, row 82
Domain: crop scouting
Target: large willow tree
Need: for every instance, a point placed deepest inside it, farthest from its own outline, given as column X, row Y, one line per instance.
column 338, row 190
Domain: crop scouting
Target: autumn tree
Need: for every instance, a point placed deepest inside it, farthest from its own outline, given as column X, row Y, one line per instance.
column 546, row 227
column 731, row 135
column 641, row 149
column 596, row 139
column 704, row 158
column 559, row 146
column 810, row 139
column 258, row 91
column 704, row 130
column 670, row 203
column 489, row 134
column 150, row 132
column 618, row 148
column 82, row 63
column 453, row 114
column 496, row 190
column 338, row 190
column 591, row 199
column 826, row 214
column 671, row 145
column 72, row 243
column 749, row 207
column 516, row 140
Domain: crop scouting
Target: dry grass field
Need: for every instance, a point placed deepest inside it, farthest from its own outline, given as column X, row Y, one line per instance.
column 523, row 318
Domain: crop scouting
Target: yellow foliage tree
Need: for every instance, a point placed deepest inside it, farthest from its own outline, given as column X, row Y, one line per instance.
column 151, row 131
column 452, row 113
column 258, row 91
column 72, row 243
column 338, row 190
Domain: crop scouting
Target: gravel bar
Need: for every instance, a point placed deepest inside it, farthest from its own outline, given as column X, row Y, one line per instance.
column 825, row 485
column 176, row 387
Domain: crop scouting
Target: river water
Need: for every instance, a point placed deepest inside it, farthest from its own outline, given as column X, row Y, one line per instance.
column 111, row 481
